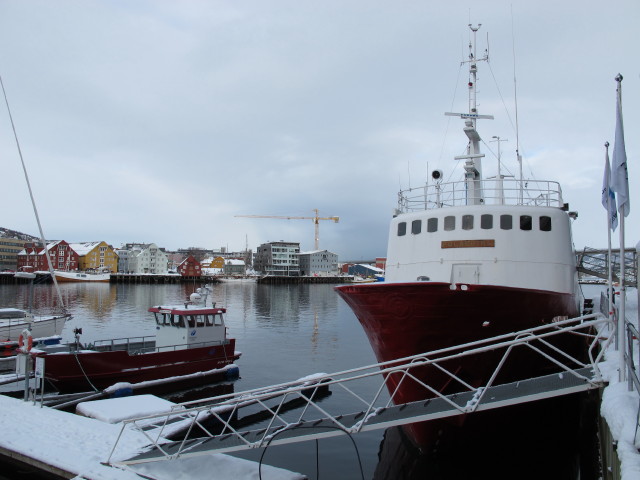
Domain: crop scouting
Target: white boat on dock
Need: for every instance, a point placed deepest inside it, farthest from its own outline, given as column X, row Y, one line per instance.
column 86, row 276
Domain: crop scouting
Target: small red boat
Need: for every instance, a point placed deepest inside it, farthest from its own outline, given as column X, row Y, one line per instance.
column 190, row 338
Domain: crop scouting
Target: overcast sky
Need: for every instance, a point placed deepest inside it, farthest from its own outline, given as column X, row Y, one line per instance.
column 159, row 121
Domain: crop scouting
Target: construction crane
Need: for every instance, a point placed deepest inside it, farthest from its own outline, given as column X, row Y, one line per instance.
column 316, row 220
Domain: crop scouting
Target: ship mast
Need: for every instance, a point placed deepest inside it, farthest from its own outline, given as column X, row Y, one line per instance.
column 473, row 163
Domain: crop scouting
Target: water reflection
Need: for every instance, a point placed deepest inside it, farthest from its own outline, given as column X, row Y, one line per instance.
column 284, row 332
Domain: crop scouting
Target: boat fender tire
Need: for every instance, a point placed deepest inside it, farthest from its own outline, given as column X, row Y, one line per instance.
column 25, row 333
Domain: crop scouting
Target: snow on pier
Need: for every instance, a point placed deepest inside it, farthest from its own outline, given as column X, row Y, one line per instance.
column 71, row 445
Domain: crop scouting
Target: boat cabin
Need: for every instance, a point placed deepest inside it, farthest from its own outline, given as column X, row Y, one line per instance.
column 189, row 327
column 12, row 314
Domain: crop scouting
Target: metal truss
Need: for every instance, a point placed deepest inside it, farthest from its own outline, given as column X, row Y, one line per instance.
column 317, row 418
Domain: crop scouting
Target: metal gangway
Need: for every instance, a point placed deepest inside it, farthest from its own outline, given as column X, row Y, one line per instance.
column 315, row 419
column 594, row 263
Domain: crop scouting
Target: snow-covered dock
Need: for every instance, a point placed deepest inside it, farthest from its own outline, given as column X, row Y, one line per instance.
column 75, row 446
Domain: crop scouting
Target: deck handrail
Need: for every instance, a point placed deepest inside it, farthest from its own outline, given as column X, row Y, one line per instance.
column 508, row 191
column 138, row 344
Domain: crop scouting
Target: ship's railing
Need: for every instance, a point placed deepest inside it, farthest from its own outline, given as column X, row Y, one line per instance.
column 367, row 387
column 147, row 344
column 494, row 192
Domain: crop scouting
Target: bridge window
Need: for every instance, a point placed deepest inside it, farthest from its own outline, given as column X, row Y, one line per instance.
column 486, row 222
column 545, row 223
column 432, row 225
column 416, row 227
column 467, row 222
column 402, row 229
column 450, row 223
column 525, row 222
column 506, row 222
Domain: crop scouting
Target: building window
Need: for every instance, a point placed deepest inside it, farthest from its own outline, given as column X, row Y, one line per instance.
column 449, row 223
column 416, row 227
column 506, row 222
column 467, row 222
column 486, row 222
column 402, row 229
column 545, row 224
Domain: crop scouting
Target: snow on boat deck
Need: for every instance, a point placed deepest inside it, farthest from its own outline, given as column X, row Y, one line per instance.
column 77, row 444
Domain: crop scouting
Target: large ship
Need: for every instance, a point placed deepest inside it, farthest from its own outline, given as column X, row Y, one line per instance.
column 467, row 261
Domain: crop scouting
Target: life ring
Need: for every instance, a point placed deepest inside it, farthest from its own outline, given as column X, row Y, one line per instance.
column 25, row 333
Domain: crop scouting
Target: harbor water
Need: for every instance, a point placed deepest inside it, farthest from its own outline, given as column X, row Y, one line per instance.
column 286, row 332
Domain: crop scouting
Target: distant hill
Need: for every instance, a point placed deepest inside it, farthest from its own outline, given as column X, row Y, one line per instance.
column 8, row 233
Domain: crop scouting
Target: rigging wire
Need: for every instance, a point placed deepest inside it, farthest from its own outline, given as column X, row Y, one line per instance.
column 515, row 85
column 446, row 132
column 33, row 202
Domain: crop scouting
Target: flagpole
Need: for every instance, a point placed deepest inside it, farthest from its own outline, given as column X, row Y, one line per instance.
column 622, row 192
column 623, row 299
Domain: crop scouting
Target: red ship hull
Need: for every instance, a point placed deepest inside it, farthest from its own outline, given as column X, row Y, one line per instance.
column 407, row 319
column 70, row 372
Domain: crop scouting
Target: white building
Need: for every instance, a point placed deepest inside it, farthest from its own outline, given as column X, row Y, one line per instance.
column 142, row 258
column 278, row 258
column 318, row 262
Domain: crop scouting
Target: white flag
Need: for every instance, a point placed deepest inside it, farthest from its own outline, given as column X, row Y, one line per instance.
column 608, row 197
column 620, row 176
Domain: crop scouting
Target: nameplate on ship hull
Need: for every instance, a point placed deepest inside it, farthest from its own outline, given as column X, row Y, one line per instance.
column 467, row 243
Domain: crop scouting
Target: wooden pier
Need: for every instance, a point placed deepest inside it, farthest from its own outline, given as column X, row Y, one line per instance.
column 158, row 279
column 278, row 280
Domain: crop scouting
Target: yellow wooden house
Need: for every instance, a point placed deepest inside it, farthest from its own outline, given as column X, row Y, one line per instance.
column 96, row 256
column 217, row 262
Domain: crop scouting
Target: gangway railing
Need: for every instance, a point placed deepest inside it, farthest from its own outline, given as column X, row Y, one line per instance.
column 573, row 372
column 594, row 263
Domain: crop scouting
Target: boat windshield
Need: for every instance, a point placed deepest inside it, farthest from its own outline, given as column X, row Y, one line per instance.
column 192, row 321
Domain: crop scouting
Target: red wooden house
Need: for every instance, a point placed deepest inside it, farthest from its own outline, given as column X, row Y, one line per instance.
column 190, row 267
column 62, row 256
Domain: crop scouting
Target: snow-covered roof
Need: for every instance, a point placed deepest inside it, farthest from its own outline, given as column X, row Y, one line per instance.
column 84, row 248
column 311, row 252
column 371, row 267
column 234, row 261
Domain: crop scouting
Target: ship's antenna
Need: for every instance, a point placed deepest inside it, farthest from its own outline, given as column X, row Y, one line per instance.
column 473, row 164
column 515, row 95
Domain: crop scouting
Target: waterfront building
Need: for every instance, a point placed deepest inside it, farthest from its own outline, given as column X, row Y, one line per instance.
column 174, row 259
column 278, row 258
column 95, row 256
column 217, row 262
column 62, row 256
column 142, row 258
column 318, row 262
column 190, row 267
column 9, row 250
column 234, row 266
